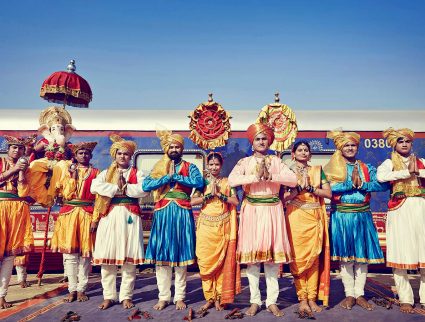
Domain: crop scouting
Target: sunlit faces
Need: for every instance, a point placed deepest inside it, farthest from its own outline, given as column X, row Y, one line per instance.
column 349, row 150
column 57, row 129
column 123, row 158
column 261, row 143
column 175, row 151
column 214, row 166
column 83, row 156
column 404, row 146
column 302, row 153
column 15, row 151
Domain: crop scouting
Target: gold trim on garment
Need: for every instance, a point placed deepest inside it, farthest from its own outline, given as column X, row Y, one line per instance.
column 406, row 266
column 172, row 264
column 259, row 256
column 305, row 205
column 358, row 260
column 214, row 218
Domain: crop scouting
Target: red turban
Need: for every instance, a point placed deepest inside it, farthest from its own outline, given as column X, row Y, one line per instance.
column 257, row 128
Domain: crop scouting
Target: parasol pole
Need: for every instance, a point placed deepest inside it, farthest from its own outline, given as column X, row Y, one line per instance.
column 46, row 232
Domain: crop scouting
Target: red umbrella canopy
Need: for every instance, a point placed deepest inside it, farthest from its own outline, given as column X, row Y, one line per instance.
column 67, row 88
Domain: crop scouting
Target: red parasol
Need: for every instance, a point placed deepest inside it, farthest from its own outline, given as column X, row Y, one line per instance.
column 67, row 88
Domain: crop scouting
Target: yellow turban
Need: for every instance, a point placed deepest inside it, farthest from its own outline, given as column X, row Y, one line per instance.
column 102, row 203
column 336, row 168
column 342, row 138
column 120, row 144
column 166, row 137
column 392, row 135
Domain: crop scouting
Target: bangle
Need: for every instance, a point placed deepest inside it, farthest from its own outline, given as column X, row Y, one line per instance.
column 311, row 189
column 223, row 197
column 207, row 197
column 299, row 189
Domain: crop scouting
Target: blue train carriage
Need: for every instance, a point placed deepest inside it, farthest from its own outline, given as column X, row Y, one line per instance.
column 140, row 126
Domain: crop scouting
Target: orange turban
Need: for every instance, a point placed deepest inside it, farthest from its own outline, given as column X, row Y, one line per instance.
column 120, row 144
column 257, row 128
column 393, row 135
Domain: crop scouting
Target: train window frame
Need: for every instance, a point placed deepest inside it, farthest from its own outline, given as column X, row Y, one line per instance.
column 147, row 202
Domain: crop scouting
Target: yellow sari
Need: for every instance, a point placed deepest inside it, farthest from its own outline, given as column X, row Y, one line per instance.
column 216, row 232
column 309, row 238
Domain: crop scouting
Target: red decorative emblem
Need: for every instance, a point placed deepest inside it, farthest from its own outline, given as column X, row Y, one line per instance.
column 209, row 125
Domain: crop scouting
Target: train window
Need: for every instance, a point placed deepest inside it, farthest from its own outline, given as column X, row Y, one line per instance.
column 146, row 159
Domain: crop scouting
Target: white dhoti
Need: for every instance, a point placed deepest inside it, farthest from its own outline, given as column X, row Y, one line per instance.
column 21, row 273
column 271, row 272
column 405, row 231
column 164, row 275
column 6, row 267
column 78, row 269
column 109, row 280
column 353, row 277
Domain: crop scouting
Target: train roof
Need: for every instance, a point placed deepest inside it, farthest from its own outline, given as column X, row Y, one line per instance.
column 149, row 119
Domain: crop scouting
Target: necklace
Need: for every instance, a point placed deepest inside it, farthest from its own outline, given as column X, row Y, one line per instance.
column 88, row 173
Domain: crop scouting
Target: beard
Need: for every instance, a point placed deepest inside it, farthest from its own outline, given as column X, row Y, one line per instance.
column 175, row 156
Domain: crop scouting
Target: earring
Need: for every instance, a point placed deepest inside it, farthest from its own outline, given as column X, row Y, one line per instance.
column 252, row 148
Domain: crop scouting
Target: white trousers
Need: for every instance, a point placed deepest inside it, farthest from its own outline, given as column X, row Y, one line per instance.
column 404, row 289
column 6, row 267
column 271, row 272
column 164, row 275
column 354, row 278
column 21, row 272
column 109, row 280
column 77, row 269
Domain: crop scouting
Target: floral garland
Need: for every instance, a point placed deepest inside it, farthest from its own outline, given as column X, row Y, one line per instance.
column 54, row 152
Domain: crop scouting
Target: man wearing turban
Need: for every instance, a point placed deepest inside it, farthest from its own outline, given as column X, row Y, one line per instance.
column 262, row 236
column 117, row 218
column 16, row 236
column 405, row 226
column 71, row 235
column 172, row 240
column 354, row 241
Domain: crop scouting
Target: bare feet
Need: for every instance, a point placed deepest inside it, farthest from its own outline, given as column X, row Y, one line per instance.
column 406, row 308
column 82, row 297
column 314, row 307
column 4, row 304
column 275, row 310
column 106, row 304
column 24, row 284
column 219, row 306
column 304, row 309
column 71, row 297
column 348, row 303
column 180, row 305
column 253, row 309
column 205, row 307
column 364, row 304
column 160, row 305
column 127, row 304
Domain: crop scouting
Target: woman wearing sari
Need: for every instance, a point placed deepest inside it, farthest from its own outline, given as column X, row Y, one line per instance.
column 308, row 231
column 216, row 232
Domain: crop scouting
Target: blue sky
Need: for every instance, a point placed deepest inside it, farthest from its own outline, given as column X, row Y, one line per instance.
column 319, row 54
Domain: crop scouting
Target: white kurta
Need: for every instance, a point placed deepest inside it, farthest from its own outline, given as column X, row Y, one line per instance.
column 118, row 241
column 405, row 227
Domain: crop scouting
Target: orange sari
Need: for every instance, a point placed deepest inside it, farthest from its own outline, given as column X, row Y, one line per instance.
column 216, row 232
column 309, row 236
